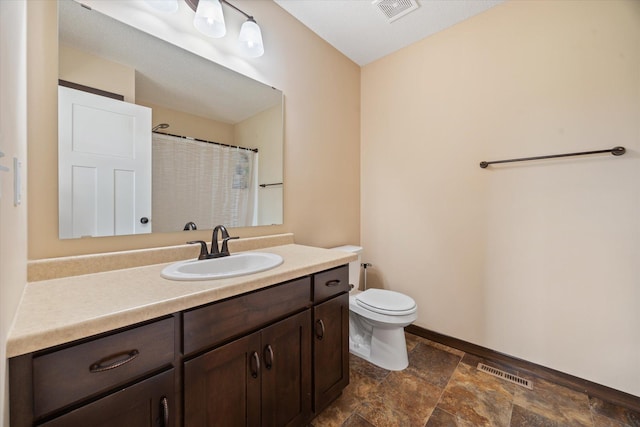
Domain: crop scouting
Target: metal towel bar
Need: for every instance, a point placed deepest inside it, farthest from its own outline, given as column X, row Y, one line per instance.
column 616, row 151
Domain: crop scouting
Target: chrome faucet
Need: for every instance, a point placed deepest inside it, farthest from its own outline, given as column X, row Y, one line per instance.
column 216, row 252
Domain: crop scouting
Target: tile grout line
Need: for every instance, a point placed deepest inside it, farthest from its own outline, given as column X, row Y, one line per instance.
column 355, row 410
column 511, row 413
column 593, row 419
column 513, row 397
column 443, row 390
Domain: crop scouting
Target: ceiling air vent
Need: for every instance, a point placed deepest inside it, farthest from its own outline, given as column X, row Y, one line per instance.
column 395, row 9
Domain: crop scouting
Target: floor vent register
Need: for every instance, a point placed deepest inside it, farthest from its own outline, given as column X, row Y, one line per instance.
column 505, row 376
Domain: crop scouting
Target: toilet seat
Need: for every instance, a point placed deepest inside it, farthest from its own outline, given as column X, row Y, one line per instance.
column 386, row 302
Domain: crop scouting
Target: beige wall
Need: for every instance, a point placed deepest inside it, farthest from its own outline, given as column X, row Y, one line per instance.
column 264, row 132
column 13, row 143
column 537, row 260
column 322, row 132
column 184, row 124
column 84, row 68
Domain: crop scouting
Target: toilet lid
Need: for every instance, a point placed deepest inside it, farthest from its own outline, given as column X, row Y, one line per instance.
column 386, row 302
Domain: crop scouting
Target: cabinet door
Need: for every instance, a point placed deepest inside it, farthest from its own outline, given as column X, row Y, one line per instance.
column 286, row 373
column 222, row 387
column 330, row 350
column 148, row 403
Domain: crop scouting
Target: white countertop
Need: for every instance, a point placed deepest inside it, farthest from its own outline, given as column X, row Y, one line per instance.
column 62, row 310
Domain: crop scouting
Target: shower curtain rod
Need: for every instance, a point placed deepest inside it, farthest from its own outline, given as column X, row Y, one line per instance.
column 188, row 138
column 616, row 151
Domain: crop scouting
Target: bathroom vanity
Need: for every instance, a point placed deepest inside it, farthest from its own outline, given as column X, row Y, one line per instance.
column 270, row 349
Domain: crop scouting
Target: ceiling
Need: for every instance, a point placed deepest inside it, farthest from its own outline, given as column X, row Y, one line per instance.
column 359, row 30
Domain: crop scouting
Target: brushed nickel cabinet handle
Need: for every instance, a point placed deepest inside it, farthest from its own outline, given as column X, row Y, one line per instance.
column 319, row 329
column 100, row 365
column 164, row 408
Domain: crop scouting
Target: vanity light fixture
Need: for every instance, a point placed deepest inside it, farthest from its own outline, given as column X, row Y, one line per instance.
column 209, row 20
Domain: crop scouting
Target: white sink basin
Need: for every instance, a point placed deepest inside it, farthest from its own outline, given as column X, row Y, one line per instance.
column 239, row 264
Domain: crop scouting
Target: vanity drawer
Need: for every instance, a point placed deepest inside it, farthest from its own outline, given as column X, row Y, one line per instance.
column 331, row 282
column 70, row 374
column 213, row 324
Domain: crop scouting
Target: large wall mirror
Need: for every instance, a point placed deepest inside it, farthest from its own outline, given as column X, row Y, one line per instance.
column 213, row 138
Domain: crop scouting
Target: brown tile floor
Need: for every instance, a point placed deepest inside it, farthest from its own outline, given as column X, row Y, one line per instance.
column 442, row 387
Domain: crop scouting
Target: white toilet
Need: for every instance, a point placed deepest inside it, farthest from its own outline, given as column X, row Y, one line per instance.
column 377, row 318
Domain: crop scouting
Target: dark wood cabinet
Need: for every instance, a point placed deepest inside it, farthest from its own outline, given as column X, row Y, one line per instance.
column 68, row 375
column 123, row 378
column 286, row 374
column 327, row 284
column 213, row 324
column 222, row 387
column 263, row 379
column 272, row 357
column 148, row 403
column 330, row 350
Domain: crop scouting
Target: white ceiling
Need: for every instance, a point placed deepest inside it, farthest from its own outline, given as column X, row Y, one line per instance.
column 359, row 30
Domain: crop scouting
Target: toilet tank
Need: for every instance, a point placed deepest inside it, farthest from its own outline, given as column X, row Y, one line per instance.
column 354, row 266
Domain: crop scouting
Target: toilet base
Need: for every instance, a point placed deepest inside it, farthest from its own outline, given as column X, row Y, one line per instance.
column 384, row 347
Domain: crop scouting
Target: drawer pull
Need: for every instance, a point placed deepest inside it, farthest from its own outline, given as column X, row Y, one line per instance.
column 268, row 356
column 332, row 283
column 164, row 408
column 255, row 365
column 99, row 367
column 319, row 329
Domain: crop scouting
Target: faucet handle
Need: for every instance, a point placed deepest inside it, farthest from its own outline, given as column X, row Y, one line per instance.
column 225, row 247
column 190, row 226
column 204, row 253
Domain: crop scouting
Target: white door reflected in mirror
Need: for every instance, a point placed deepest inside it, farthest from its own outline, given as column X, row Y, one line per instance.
column 104, row 163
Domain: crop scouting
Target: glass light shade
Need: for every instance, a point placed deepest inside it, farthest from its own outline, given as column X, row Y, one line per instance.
column 167, row 6
column 209, row 19
column 250, row 39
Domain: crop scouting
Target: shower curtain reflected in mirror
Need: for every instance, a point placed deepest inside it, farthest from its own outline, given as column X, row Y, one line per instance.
column 201, row 182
